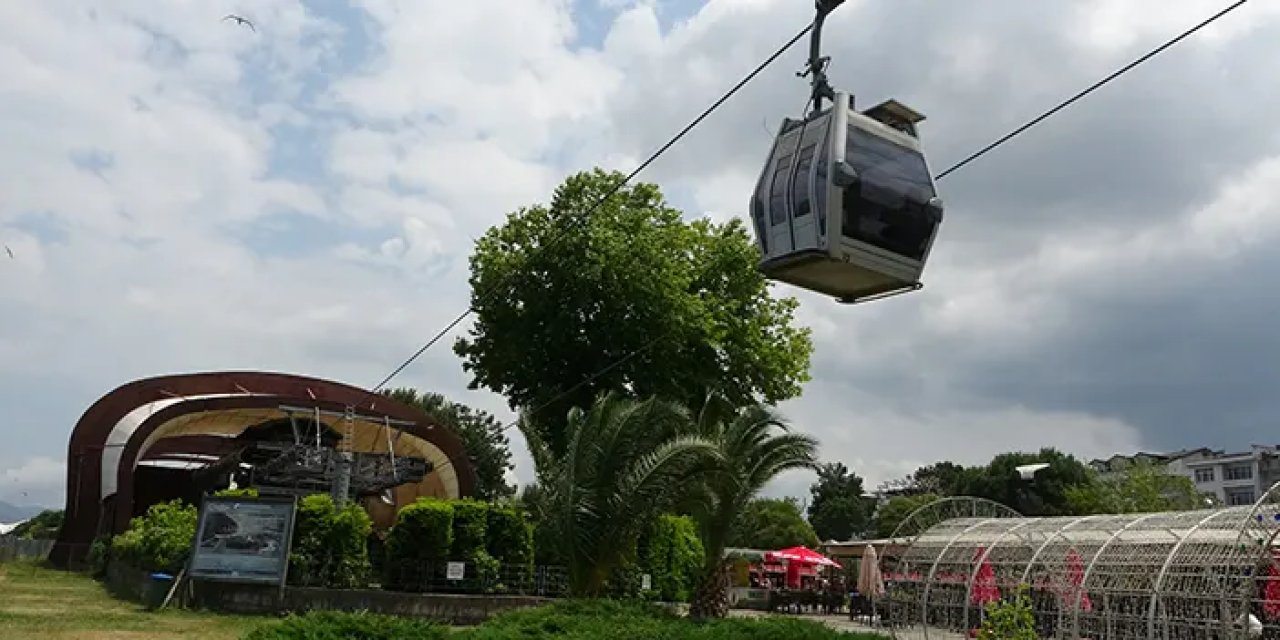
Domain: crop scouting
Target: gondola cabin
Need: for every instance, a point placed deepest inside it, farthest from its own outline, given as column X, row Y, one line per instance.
column 846, row 204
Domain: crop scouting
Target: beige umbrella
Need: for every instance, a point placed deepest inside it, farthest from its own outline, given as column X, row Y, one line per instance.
column 870, row 583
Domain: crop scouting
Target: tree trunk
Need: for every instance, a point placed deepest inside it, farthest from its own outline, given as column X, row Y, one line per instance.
column 711, row 600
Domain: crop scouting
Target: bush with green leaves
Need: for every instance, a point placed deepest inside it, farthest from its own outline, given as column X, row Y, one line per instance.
column 612, row 619
column 470, row 524
column 671, row 553
column 159, row 540
column 332, row 625
column 509, row 536
column 1009, row 619
column 44, row 526
column 329, row 544
column 419, row 544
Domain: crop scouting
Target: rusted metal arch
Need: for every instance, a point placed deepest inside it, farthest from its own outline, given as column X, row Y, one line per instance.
column 237, row 389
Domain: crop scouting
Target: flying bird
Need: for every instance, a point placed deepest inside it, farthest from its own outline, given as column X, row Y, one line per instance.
column 8, row 251
column 239, row 20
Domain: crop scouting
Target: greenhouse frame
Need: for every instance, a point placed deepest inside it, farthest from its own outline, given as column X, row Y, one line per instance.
column 1184, row 575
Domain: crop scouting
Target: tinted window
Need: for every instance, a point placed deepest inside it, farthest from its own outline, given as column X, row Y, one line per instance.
column 886, row 208
column 801, row 189
column 778, row 192
column 820, row 197
column 892, row 167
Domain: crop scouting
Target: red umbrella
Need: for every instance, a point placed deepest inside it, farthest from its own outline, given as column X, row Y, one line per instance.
column 803, row 555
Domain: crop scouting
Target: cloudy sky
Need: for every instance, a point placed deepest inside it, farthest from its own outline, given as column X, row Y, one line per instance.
column 183, row 194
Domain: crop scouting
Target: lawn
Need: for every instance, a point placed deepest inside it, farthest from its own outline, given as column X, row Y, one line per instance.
column 37, row 603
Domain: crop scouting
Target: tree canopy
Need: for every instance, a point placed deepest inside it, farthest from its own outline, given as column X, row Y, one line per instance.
column 890, row 514
column 772, row 523
column 1141, row 488
column 481, row 433
column 629, row 298
column 836, row 508
column 1044, row 495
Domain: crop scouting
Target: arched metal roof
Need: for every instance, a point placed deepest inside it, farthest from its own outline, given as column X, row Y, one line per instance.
column 192, row 411
column 1189, row 574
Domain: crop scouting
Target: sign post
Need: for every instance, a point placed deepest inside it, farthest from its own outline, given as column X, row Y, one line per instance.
column 244, row 539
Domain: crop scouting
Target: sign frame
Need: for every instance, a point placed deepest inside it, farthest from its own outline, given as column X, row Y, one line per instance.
column 288, row 509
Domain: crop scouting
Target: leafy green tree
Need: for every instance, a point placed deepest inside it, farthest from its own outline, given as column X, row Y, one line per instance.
column 44, row 526
column 941, row 478
column 623, row 465
column 890, row 514
column 629, row 298
column 1141, row 488
column 482, row 435
column 754, row 446
column 837, row 510
column 1044, row 495
column 773, row 523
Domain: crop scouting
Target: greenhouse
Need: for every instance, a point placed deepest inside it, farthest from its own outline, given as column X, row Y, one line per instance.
column 1177, row 575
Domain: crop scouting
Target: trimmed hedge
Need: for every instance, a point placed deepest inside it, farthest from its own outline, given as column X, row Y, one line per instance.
column 510, row 539
column 470, row 524
column 431, row 532
column 419, row 544
column 329, row 544
column 671, row 553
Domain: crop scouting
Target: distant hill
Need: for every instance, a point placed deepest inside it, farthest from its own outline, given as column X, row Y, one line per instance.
column 10, row 513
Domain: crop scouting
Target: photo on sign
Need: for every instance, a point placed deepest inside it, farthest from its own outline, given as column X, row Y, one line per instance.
column 243, row 539
column 231, row 530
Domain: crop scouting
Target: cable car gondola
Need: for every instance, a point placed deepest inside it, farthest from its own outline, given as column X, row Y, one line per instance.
column 845, row 204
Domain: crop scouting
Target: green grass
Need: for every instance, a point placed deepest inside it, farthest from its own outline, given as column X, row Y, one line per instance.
column 38, row 603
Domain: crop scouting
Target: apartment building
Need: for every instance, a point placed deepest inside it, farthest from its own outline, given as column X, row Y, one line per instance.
column 1233, row 478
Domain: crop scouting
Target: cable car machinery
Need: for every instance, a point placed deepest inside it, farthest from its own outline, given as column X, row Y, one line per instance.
column 845, row 204
column 306, row 464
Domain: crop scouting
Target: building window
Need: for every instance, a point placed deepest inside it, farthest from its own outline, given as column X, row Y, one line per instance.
column 1238, row 472
column 1237, row 498
column 1204, row 475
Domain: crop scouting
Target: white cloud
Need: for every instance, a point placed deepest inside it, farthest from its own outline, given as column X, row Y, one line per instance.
column 136, row 261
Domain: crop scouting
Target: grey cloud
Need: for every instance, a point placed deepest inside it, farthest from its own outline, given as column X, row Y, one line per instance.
column 1180, row 351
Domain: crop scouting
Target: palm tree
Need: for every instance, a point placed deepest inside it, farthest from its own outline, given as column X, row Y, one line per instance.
column 755, row 446
column 623, row 463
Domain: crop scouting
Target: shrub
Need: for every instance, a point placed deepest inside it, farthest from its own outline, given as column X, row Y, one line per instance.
column 470, row 522
column 1009, row 620
column 671, row 553
column 612, row 620
column 332, row 625
column 510, row 540
column 159, row 540
column 329, row 544
column 419, row 543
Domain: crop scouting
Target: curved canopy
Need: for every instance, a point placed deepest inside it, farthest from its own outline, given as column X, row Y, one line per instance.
column 190, row 421
column 1188, row 574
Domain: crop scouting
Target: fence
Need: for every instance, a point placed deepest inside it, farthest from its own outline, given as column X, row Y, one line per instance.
column 14, row 548
column 452, row 577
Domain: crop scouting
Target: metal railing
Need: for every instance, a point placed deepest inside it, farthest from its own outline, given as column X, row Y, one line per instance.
column 452, row 577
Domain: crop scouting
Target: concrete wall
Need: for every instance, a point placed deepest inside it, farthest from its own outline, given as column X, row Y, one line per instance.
column 241, row 598
column 442, row 607
column 14, row 548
